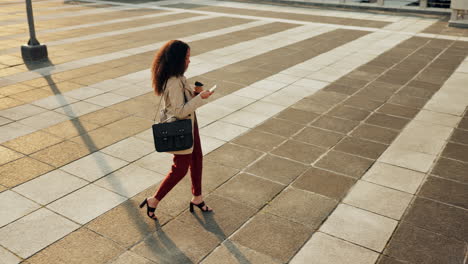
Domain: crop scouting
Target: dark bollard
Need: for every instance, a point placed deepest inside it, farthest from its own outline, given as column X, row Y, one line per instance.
column 33, row 51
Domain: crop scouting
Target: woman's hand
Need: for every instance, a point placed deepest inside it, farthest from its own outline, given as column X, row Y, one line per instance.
column 206, row 94
column 198, row 89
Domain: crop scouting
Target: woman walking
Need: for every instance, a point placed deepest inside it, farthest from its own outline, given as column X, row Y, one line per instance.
column 180, row 102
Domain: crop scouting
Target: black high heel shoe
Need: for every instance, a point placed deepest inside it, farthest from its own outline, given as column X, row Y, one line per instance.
column 149, row 209
column 200, row 205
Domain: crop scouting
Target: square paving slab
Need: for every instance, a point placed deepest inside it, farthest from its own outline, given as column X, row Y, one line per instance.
column 273, row 236
column 325, row 249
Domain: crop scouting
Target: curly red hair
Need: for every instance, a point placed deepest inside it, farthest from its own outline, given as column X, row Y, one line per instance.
column 169, row 61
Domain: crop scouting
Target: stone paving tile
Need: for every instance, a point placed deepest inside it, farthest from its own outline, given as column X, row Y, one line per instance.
column 129, row 149
column 386, row 260
column 362, row 102
column 451, row 169
column 214, row 175
column 78, row 247
column 376, row 93
column 408, row 101
column 22, row 111
column 33, row 142
column 86, row 204
column 126, row 224
column 437, row 118
column 460, row 136
column 94, row 166
column 463, row 124
column 14, row 206
column 43, row 228
column 259, row 140
column 13, row 130
column 415, row 245
column 349, row 113
column 7, row 102
column 226, row 218
column 273, row 236
column 335, row 124
column 298, row 116
column 14, row 88
column 70, row 128
column 158, row 162
column 325, row 183
column 327, row 98
column 129, row 257
column 4, row 121
column 223, row 131
column 299, row 151
column 250, row 190
column 456, row 151
column 50, row 186
column 7, row 155
column 388, row 121
column 408, row 159
column 360, row 227
column 394, row 177
column 30, row 96
column 61, row 154
column 233, row 253
column 439, row 218
column 319, row 137
column 99, row 138
column 77, row 109
column 130, row 126
column 279, row 127
column 177, row 242
column 395, row 110
column 324, row 249
column 364, row 148
column 244, row 118
column 445, row 191
column 340, row 162
column 8, row 258
column 44, row 120
column 311, row 106
column 129, row 181
column 233, row 156
column 378, row 199
column 22, row 170
column 375, row 133
column 276, row 169
column 103, row 117
column 301, row 207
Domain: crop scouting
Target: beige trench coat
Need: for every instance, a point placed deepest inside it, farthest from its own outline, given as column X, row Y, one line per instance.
column 174, row 106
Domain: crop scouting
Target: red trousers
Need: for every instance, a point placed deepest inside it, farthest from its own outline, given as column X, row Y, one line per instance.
column 180, row 167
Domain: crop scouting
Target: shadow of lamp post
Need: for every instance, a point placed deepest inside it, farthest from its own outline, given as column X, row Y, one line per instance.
column 33, row 51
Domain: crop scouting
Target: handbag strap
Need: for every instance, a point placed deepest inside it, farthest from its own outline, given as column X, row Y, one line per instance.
column 160, row 101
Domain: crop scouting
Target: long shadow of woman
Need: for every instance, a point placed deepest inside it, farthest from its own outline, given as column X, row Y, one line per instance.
column 209, row 223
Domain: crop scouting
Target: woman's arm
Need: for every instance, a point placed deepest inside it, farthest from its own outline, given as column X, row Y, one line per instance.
column 176, row 93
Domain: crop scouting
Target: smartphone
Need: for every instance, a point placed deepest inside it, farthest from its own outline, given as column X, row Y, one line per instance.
column 213, row 88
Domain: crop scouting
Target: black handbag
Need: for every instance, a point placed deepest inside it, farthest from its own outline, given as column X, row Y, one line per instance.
column 172, row 136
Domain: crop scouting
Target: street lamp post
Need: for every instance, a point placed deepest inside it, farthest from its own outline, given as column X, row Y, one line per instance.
column 33, row 51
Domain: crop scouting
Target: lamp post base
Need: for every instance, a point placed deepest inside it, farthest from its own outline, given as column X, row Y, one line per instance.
column 34, row 52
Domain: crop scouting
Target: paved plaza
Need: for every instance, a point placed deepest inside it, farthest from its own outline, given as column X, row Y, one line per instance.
column 334, row 137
